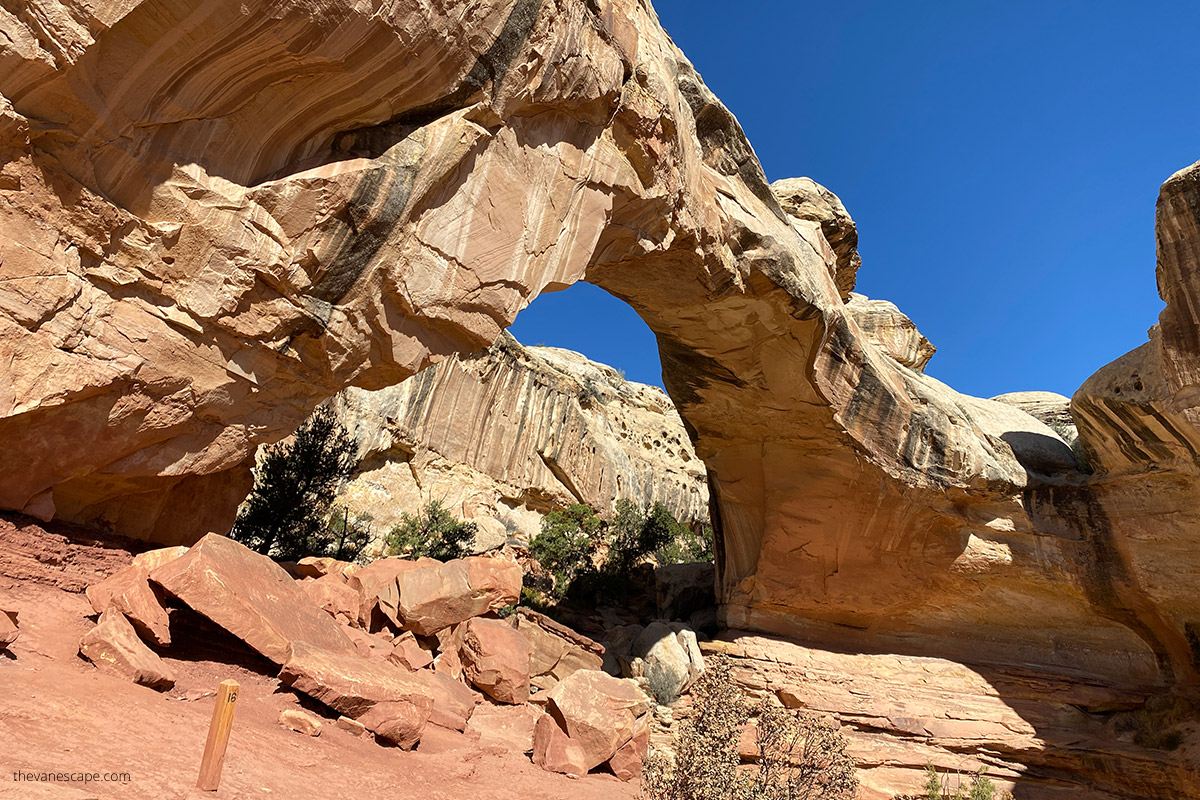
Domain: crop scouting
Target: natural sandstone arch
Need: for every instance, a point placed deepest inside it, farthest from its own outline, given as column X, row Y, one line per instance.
column 218, row 214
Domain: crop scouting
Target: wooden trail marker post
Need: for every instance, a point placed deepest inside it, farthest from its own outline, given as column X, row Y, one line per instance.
column 218, row 736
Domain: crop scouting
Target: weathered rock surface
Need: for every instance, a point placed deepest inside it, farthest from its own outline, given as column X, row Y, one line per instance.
column 114, row 647
column 129, row 592
column 1028, row 726
column 888, row 328
column 504, row 436
column 557, row 651
column 436, row 595
column 390, row 702
column 812, row 205
column 590, row 717
column 204, row 240
column 250, row 596
column 300, row 721
column 9, row 629
column 507, row 727
column 495, row 659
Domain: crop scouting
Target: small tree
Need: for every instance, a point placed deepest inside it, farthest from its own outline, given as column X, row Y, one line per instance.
column 567, row 543
column 295, row 484
column 348, row 534
column 432, row 532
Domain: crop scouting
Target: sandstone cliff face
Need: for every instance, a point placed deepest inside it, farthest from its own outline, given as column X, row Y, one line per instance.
column 215, row 216
column 507, row 435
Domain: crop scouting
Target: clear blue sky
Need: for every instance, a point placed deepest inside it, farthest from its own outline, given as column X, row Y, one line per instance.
column 1001, row 159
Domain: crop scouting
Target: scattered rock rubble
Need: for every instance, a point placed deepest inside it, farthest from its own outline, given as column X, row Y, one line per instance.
column 389, row 648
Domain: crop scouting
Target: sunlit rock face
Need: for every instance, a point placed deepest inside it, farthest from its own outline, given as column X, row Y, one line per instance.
column 1139, row 423
column 504, row 436
column 215, row 215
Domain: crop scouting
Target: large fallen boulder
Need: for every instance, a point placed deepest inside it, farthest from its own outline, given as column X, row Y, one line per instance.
column 668, row 657
column 129, row 592
column 354, row 686
column 558, row 651
column 376, row 587
column 333, row 595
column 495, row 658
column 114, row 647
column 250, row 596
column 590, row 717
column 429, row 596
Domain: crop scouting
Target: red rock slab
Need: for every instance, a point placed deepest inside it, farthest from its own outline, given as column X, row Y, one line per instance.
column 8, row 628
column 435, row 596
column 250, row 596
column 390, row 702
column 129, row 591
column 626, row 763
column 408, row 653
column 375, row 584
column 495, row 658
column 554, row 751
column 114, row 647
column 335, row 597
column 509, row 728
column 598, row 712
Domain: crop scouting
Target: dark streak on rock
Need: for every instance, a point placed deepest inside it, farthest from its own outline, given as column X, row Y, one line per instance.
column 1111, row 588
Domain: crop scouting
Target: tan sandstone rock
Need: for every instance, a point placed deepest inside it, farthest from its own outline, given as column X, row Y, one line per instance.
column 300, row 721
column 495, row 659
column 114, row 647
column 248, row 595
column 514, row 432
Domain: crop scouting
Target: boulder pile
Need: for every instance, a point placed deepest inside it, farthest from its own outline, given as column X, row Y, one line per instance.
column 389, row 648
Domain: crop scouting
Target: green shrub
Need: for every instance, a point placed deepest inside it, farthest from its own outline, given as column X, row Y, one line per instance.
column 566, row 545
column 688, row 547
column 570, row 542
column 947, row 787
column 661, row 684
column 348, row 535
column 295, row 483
column 799, row 756
column 432, row 532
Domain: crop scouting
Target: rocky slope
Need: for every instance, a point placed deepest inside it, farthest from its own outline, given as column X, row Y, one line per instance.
column 507, row 435
column 216, row 216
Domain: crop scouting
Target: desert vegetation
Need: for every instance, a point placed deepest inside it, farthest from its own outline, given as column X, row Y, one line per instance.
column 431, row 532
column 288, row 512
column 798, row 756
column 588, row 557
column 955, row 786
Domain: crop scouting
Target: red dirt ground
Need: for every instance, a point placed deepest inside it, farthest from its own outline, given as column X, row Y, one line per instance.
column 58, row 713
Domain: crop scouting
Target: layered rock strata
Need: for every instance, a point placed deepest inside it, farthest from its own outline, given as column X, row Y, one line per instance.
column 216, row 216
column 504, row 436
